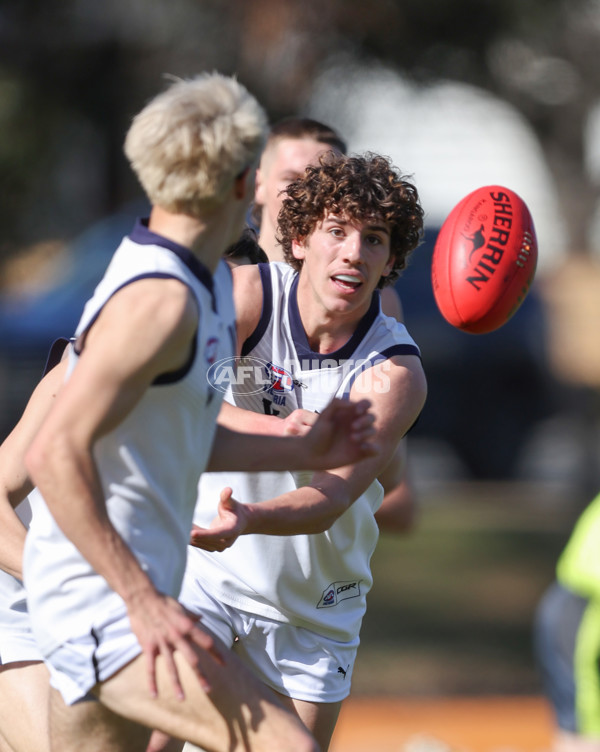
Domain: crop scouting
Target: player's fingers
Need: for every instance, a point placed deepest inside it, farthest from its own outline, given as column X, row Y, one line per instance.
column 191, row 656
column 151, row 672
column 189, row 650
column 341, row 409
column 225, row 495
column 362, row 406
column 363, row 437
column 363, row 422
column 171, row 668
column 207, row 643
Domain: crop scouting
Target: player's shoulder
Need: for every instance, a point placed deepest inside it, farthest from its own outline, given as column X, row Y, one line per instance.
column 247, row 280
column 248, row 297
column 391, row 336
column 168, row 302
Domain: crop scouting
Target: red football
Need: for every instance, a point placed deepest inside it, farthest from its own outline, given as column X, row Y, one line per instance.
column 484, row 260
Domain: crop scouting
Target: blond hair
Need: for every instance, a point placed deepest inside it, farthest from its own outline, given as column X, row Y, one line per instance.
column 190, row 142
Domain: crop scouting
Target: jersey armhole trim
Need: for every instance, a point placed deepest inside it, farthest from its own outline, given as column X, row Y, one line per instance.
column 267, row 310
column 164, row 378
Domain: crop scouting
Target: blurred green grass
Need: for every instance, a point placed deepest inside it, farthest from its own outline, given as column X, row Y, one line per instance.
column 453, row 602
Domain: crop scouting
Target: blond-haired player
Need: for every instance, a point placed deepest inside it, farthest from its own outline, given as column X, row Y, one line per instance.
column 118, row 456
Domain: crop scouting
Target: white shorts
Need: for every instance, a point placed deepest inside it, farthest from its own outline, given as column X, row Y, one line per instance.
column 16, row 638
column 79, row 664
column 291, row 660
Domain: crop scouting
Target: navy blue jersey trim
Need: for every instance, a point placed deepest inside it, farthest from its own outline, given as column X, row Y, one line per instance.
column 300, row 339
column 163, row 378
column 94, row 656
column 172, row 376
column 149, row 275
column 267, row 310
column 401, row 350
column 57, row 349
column 143, row 236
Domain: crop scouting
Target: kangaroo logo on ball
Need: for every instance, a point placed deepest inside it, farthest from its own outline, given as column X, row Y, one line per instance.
column 478, row 240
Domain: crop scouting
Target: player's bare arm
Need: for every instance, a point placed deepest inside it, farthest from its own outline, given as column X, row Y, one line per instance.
column 343, row 432
column 297, row 423
column 15, row 483
column 247, row 290
column 314, row 508
column 146, row 329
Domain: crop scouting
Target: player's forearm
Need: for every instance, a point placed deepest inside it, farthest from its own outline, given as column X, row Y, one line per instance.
column 306, row 511
column 246, row 421
column 245, row 452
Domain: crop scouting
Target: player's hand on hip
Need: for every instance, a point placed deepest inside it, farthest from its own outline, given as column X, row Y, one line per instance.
column 162, row 626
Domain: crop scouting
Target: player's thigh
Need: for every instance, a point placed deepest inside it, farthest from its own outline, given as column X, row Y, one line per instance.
column 238, row 712
column 320, row 718
column 4, row 745
column 91, row 726
column 24, row 690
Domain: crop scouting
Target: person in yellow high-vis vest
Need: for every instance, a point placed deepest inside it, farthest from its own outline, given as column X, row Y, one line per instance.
column 567, row 638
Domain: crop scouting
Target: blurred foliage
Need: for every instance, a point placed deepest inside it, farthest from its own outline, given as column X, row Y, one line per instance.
column 73, row 72
column 452, row 605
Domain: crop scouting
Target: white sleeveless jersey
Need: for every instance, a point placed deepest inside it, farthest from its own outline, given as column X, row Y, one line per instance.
column 149, row 465
column 317, row 581
column 16, row 639
column 13, row 601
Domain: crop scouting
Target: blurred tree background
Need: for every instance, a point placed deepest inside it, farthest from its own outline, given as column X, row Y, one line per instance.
column 73, row 72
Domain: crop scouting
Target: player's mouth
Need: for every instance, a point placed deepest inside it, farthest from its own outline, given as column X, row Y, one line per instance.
column 347, row 282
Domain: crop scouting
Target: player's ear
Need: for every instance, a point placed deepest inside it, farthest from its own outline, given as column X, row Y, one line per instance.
column 389, row 266
column 240, row 184
column 299, row 249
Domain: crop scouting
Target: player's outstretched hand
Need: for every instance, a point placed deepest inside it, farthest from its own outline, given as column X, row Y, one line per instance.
column 227, row 526
column 342, row 434
column 162, row 626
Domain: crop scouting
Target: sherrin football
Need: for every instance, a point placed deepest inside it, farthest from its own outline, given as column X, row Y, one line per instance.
column 484, row 260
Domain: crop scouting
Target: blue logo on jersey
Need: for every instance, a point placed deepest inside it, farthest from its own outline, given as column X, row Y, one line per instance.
column 211, row 349
column 337, row 592
column 281, row 380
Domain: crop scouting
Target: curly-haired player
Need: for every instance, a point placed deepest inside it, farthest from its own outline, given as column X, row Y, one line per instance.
column 289, row 596
column 363, row 188
column 292, row 144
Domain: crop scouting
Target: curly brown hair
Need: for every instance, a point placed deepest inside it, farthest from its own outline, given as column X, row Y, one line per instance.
column 360, row 188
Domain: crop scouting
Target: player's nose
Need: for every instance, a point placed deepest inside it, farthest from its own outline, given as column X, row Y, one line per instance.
column 353, row 247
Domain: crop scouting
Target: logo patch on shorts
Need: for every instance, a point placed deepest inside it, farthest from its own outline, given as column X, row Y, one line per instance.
column 339, row 591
